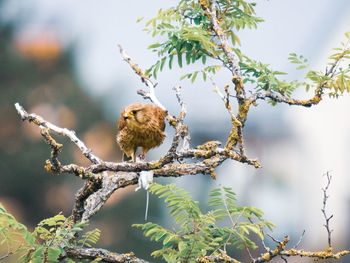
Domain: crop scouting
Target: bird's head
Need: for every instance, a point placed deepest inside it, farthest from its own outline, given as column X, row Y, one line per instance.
column 135, row 114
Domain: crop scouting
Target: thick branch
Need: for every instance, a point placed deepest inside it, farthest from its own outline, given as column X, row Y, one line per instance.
column 104, row 255
column 95, row 201
column 210, row 13
column 98, row 187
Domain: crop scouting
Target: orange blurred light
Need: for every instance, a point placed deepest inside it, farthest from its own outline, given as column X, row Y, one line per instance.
column 42, row 45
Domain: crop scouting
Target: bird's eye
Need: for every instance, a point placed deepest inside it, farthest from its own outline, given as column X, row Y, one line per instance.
column 133, row 112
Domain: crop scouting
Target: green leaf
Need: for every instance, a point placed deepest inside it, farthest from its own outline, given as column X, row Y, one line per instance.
column 204, row 59
column 179, row 59
column 194, row 76
column 182, row 246
column 139, row 19
column 155, row 45
column 162, row 63
column 53, row 254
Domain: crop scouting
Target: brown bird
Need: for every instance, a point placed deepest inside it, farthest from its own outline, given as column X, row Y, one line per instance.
column 140, row 125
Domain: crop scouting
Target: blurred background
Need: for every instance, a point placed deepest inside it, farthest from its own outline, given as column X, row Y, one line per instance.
column 60, row 60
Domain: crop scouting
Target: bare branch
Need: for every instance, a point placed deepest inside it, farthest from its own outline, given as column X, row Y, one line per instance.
column 290, row 101
column 6, row 255
column 95, row 201
column 145, row 79
column 210, row 13
column 327, row 218
column 332, row 71
column 300, row 239
column 103, row 254
column 224, row 99
column 180, row 127
column 61, row 131
column 222, row 257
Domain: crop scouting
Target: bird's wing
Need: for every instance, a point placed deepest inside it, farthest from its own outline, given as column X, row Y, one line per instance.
column 121, row 122
column 160, row 114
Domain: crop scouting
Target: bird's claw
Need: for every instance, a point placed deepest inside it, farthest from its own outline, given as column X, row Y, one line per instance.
column 141, row 157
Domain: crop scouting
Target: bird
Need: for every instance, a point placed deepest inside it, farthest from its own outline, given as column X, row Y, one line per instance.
column 140, row 125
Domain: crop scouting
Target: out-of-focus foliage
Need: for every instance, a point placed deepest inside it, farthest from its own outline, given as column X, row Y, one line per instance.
column 46, row 242
column 200, row 234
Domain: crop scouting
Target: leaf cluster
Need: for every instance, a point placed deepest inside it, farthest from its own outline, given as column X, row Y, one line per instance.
column 187, row 33
column 336, row 81
column 46, row 242
column 200, row 234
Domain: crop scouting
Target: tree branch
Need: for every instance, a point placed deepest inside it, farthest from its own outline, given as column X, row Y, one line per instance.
column 144, row 78
column 38, row 120
column 210, row 13
column 103, row 254
column 290, row 101
column 99, row 186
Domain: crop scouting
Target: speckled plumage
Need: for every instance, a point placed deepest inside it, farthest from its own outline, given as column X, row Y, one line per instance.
column 140, row 125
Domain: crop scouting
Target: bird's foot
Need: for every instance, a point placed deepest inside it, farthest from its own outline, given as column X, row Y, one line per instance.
column 142, row 157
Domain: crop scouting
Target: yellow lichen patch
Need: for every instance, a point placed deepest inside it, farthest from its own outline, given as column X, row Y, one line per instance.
column 256, row 164
column 131, row 254
column 208, row 146
column 157, row 164
column 328, row 253
column 235, row 121
column 212, row 173
column 238, row 83
column 182, row 165
column 292, row 252
column 223, row 257
column 172, row 121
column 317, row 98
column 50, row 140
column 36, row 121
column 204, row 4
column 266, row 256
column 243, row 110
column 48, row 166
column 281, row 245
column 226, row 88
column 233, row 136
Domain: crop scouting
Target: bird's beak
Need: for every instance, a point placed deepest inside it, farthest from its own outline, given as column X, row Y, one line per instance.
column 126, row 116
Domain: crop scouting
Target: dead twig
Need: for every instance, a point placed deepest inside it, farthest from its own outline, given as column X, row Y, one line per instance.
column 327, row 218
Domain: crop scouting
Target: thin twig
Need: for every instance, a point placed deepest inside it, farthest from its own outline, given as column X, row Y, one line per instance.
column 300, row 239
column 145, row 79
column 327, row 218
column 6, row 255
